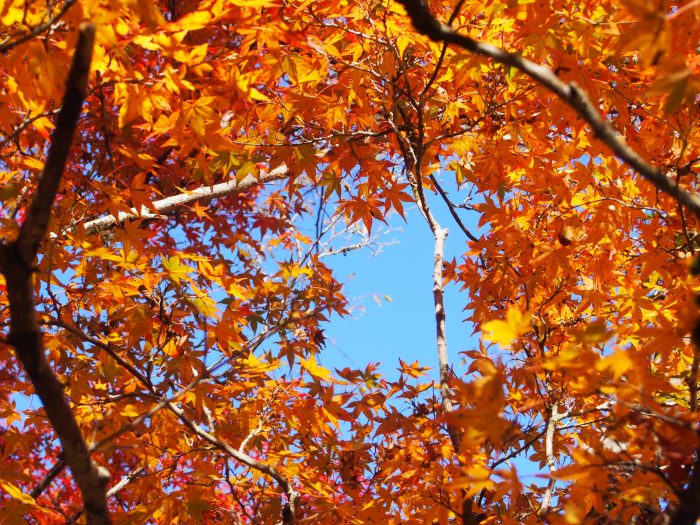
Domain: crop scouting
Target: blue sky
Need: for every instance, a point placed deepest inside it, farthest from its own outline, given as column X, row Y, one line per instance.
column 405, row 326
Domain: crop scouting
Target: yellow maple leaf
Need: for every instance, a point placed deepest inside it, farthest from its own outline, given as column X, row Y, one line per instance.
column 617, row 363
column 176, row 270
column 16, row 493
column 316, row 370
column 505, row 332
column 195, row 20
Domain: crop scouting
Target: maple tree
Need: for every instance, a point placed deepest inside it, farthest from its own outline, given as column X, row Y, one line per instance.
column 177, row 175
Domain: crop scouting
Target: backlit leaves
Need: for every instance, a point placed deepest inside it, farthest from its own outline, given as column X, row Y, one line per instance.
column 208, row 321
column 506, row 332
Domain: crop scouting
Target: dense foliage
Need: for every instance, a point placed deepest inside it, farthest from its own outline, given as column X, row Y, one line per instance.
column 170, row 259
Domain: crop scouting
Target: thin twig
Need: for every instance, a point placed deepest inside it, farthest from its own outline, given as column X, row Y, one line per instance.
column 9, row 44
column 126, row 479
column 48, row 479
column 451, row 207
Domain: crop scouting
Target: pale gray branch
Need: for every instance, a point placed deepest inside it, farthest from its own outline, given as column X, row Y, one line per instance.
column 554, row 417
column 176, row 202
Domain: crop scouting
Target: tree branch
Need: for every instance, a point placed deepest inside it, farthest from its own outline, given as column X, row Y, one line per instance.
column 439, row 236
column 126, row 479
column 48, row 479
column 570, row 93
column 688, row 510
column 184, row 199
column 289, row 510
column 451, row 207
column 8, row 44
column 17, row 265
column 34, row 227
column 552, row 421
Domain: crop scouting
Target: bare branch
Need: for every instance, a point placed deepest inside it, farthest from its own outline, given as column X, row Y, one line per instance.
column 451, row 207
column 184, row 199
column 570, row 93
column 48, row 479
column 443, row 359
column 17, row 264
column 108, row 349
column 292, row 496
column 439, row 234
column 554, row 417
column 34, row 227
column 167, row 402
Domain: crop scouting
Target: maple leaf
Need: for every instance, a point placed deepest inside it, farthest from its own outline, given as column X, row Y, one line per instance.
column 15, row 492
column 504, row 333
column 164, row 255
column 316, row 370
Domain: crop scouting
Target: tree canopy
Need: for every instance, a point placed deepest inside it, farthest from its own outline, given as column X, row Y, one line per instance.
column 177, row 176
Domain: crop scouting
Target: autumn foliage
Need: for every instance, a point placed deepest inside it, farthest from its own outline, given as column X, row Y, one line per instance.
column 168, row 242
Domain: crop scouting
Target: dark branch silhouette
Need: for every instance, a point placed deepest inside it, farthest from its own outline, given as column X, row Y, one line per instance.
column 17, row 260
